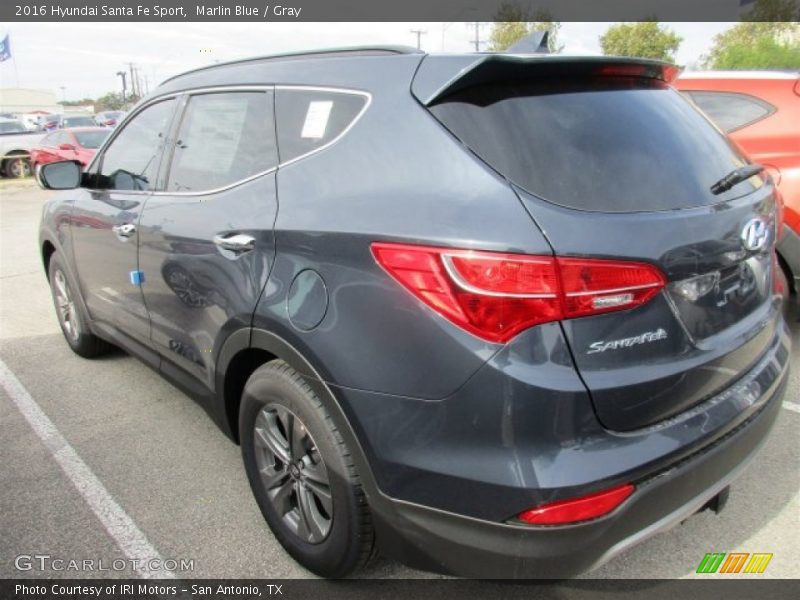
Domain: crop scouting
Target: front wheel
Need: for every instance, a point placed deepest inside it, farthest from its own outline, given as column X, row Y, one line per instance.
column 302, row 473
column 17, row 167
column 73, row 324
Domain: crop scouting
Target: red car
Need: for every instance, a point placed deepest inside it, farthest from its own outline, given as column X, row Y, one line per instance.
column 760, row 111
column 79, row 143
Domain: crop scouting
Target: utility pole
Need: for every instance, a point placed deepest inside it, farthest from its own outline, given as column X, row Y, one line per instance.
column 419, row 33
column 134, row 91
column 138, row 81
column 477, row 41
column 124, row 86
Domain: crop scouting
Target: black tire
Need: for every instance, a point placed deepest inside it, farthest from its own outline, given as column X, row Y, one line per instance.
column 17, row 167
column 73, row 323
column 276, row 392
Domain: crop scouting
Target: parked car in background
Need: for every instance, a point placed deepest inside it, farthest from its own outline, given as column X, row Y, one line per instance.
column 79, row 144
column 11, row 125
column 511, row 315
column 109, row 118
column 760, row 111
column 15, row 144
column 77, row 121
column 49, row 122
column 31, row 120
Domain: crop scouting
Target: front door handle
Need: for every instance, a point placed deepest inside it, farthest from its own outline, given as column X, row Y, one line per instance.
column 238, row 242
column 125, row 230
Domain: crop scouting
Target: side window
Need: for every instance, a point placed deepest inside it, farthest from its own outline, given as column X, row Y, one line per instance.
column 131, row 161
column 224, row 137
column 309, row 119
column 731, row 111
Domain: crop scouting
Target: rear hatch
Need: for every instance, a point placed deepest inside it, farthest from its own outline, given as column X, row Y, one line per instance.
column 613, row 163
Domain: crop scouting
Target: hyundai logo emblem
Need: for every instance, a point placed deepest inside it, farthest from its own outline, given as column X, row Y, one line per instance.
column 755, row 234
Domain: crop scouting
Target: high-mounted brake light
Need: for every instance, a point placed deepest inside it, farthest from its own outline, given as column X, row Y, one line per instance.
column 496, row 295
column 664, row 72
column 579, row 509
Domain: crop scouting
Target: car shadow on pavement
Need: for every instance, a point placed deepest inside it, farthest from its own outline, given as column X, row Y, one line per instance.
column 749, row 523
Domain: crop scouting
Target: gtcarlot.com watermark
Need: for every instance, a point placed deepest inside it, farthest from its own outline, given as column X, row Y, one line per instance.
column 46, row 562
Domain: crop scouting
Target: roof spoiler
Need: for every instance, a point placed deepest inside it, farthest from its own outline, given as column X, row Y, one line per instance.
column 441, row 75
column 535, row 43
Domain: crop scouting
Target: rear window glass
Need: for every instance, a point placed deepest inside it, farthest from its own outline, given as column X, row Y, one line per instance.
column 613, row 145
column 731, row 111
column 309, row 119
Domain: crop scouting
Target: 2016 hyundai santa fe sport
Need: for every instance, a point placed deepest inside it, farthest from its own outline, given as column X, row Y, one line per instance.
column 491, row 315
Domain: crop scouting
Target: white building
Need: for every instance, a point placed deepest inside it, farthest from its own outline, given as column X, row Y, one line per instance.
column 21, row 100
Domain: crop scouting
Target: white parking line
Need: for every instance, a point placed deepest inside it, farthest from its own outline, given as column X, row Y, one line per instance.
column 128, row 537
column 793, row 406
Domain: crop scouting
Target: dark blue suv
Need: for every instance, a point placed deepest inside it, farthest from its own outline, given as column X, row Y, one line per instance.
column 492, row 315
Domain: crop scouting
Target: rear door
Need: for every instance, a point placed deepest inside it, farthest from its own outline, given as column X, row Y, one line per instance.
column 614, row 165
column 206, row 240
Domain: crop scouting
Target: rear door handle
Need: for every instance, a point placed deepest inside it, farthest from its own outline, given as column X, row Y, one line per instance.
column 237, row 242
column 124, row 231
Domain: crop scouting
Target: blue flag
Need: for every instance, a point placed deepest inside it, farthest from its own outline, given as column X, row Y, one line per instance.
column 5, row 49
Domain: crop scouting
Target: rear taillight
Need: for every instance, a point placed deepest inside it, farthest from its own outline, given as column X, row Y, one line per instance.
column 596, row 286
column 496, row 295
column 579, row 509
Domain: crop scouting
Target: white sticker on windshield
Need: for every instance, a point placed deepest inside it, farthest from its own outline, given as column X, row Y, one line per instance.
column 317, row 119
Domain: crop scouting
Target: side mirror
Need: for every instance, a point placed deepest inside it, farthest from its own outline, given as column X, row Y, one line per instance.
column 66, row 147
column 64, row 175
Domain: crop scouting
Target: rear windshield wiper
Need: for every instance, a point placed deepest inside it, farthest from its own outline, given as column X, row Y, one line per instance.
column 735, row 177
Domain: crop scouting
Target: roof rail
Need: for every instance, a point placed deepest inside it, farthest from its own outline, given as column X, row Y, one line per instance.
column 321, row 53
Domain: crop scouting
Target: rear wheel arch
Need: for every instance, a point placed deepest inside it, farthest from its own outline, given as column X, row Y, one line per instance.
column 245, row 351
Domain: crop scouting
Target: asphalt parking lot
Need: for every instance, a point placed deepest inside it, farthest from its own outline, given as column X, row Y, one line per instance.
column 180, row 480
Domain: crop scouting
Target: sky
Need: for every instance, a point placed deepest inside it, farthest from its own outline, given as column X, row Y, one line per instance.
column 79, row 60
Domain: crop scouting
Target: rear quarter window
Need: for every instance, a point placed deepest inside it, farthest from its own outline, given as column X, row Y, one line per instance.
column 731, row 111
column 308, row 119
column 610, row 144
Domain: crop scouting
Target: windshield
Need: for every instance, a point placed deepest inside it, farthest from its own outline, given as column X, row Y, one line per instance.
column 611, row 144
column 91, row 139
column 78, row 122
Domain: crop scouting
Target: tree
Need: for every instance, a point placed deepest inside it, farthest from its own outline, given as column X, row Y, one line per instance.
column 776, row 11
column 767, row 38
column 111, row 101
column 764, row 52
column 645, row 39
column 512, row 23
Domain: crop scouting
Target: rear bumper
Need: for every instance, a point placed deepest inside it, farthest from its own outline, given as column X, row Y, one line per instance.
column 445, row 542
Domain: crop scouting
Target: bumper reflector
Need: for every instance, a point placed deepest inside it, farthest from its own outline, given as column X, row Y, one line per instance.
column 575, row 510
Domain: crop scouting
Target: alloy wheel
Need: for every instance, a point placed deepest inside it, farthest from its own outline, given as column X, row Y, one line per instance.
column 293, row 473
column 65, row 306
